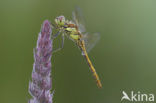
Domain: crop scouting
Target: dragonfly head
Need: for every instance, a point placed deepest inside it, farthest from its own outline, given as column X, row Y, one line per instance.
column 60, row 21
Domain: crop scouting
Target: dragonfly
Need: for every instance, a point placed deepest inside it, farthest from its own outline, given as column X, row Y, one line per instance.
column 75, row 30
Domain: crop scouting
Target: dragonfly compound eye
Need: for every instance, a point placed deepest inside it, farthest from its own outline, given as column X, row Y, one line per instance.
column 60, row 20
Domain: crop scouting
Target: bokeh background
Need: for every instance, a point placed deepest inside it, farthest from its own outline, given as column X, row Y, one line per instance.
column 124, row 58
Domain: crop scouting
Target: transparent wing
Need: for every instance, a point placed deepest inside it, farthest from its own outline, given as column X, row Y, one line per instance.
column 91, row 40
column 78, row 19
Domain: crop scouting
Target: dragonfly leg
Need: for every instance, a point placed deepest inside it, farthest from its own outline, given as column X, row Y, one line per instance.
column 61, row 46
column 53, row 26
column 54, row 36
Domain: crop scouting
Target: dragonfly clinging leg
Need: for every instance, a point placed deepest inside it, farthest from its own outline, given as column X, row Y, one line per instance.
column 61, row 46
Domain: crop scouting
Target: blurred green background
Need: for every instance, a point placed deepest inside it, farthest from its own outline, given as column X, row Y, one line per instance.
column 124, row 58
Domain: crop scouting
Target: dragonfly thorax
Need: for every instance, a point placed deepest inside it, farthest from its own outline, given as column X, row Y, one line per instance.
column 67, row 27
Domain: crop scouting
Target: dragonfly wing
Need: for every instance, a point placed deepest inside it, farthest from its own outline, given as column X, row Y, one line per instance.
column 91, row 40
column 79, row 19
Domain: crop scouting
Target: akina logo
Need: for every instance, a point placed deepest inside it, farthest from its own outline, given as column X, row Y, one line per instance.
column 137, row 96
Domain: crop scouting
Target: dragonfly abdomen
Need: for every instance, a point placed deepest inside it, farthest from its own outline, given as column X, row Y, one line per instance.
column 95, row 75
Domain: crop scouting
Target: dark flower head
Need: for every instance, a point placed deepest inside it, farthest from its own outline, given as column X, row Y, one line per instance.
column 41, row 83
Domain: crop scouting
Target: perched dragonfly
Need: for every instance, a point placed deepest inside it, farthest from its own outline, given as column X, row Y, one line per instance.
column 75, row 30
